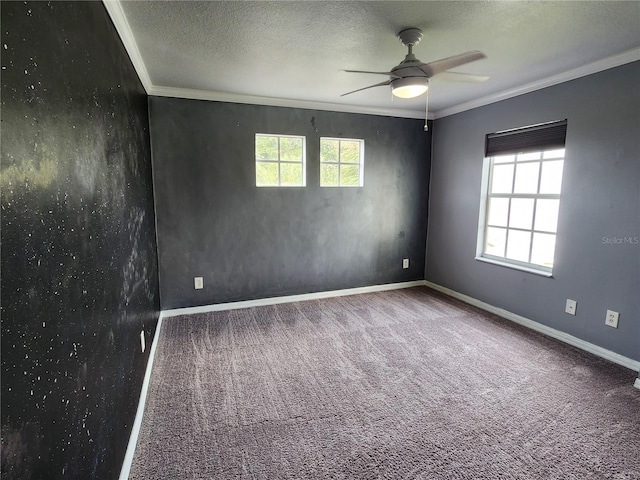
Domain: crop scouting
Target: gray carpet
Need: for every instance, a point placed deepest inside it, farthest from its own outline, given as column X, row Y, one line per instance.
column 407, row 384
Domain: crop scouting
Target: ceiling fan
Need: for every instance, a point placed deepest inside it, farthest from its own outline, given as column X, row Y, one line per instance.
column 410, row 78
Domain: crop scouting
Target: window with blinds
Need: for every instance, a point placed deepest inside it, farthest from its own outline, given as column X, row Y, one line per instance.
column 522, row 183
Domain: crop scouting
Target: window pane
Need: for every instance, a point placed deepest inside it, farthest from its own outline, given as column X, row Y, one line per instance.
column 266, row 174
column 523, row 194
column 502, row 179
column 498, row 212
column 554, row 153
column 528, row 156
column 266, row 148
column 349, row 175
column 521, row 214
column 551, row 178
column 290, row 149
column 526, row 178
column 504, row 158
column 290, row 174
column 542, row 252
column 349, row 152
column 328, row 150
column 328, row 175
column 271, row 151
column 495, row 241
column 518, row 245
column 547, row 215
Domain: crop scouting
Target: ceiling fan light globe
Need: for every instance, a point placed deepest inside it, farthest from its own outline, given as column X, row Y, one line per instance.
column 409, row 87
column 410, row 91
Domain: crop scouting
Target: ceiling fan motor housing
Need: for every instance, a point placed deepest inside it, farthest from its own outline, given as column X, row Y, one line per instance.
column 409, row 67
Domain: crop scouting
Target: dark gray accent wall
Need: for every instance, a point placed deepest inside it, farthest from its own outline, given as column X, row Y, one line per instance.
column 79, row 262
column 597, row 254
column 249, row 242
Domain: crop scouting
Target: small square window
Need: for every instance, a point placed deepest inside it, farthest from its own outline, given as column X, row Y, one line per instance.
column 341, row 162
column 280, row 160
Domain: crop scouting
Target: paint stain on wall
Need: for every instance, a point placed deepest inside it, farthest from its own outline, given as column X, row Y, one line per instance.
column 79, row 272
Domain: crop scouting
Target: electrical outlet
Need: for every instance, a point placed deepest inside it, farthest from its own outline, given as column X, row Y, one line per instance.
column 612, row 319
column 198, row 283
column 571, row 306
column 142, row 342
column 405, row 263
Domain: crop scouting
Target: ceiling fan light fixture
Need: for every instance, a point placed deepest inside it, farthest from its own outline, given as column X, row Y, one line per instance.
column 409, row 87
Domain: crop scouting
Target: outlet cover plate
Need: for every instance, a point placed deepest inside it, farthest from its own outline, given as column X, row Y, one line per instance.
column 142, row 341
column 571, row 306
column 198, row 283
column 405, row 263
column 612, row 318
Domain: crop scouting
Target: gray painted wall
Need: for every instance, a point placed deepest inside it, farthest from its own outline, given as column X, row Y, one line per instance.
column 250, row 242
column 600, row 201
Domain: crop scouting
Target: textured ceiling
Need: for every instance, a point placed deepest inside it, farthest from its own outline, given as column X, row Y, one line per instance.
column 297, row 50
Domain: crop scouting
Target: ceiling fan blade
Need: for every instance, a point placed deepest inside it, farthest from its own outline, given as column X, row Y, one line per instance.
column 463, row 77
column 390, row 74
column 388, row 82
column 439, row 66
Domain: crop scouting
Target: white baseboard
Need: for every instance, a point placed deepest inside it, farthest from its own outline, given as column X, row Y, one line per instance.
column 539, row 327
column 135, row 431
column 290, row 298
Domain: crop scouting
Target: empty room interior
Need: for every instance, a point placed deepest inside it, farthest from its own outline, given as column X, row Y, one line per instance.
column 320, row 239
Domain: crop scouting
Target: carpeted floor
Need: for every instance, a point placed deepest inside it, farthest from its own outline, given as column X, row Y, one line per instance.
column 407, row 384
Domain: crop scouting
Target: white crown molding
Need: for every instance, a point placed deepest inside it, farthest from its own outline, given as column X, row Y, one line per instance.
column 119, row 19
column 279, row 102
column 589, row 69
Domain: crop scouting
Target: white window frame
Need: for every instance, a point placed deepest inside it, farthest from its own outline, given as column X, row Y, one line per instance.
column 360, row 163
column 279, row 162
column 483, row 220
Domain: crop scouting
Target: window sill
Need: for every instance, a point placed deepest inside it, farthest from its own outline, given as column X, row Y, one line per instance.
column 513, row 266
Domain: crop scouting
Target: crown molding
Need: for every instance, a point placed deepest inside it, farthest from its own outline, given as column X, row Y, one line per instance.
column 119, row 19
column 589, row 69
column 195, row 94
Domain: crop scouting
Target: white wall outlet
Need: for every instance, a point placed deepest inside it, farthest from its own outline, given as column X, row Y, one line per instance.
column 612, row 319
column 571, row 306
column 405, row 263
column 198, row 283
column 142, row 342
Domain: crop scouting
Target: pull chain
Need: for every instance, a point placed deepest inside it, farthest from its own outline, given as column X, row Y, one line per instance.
column 426, row 112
